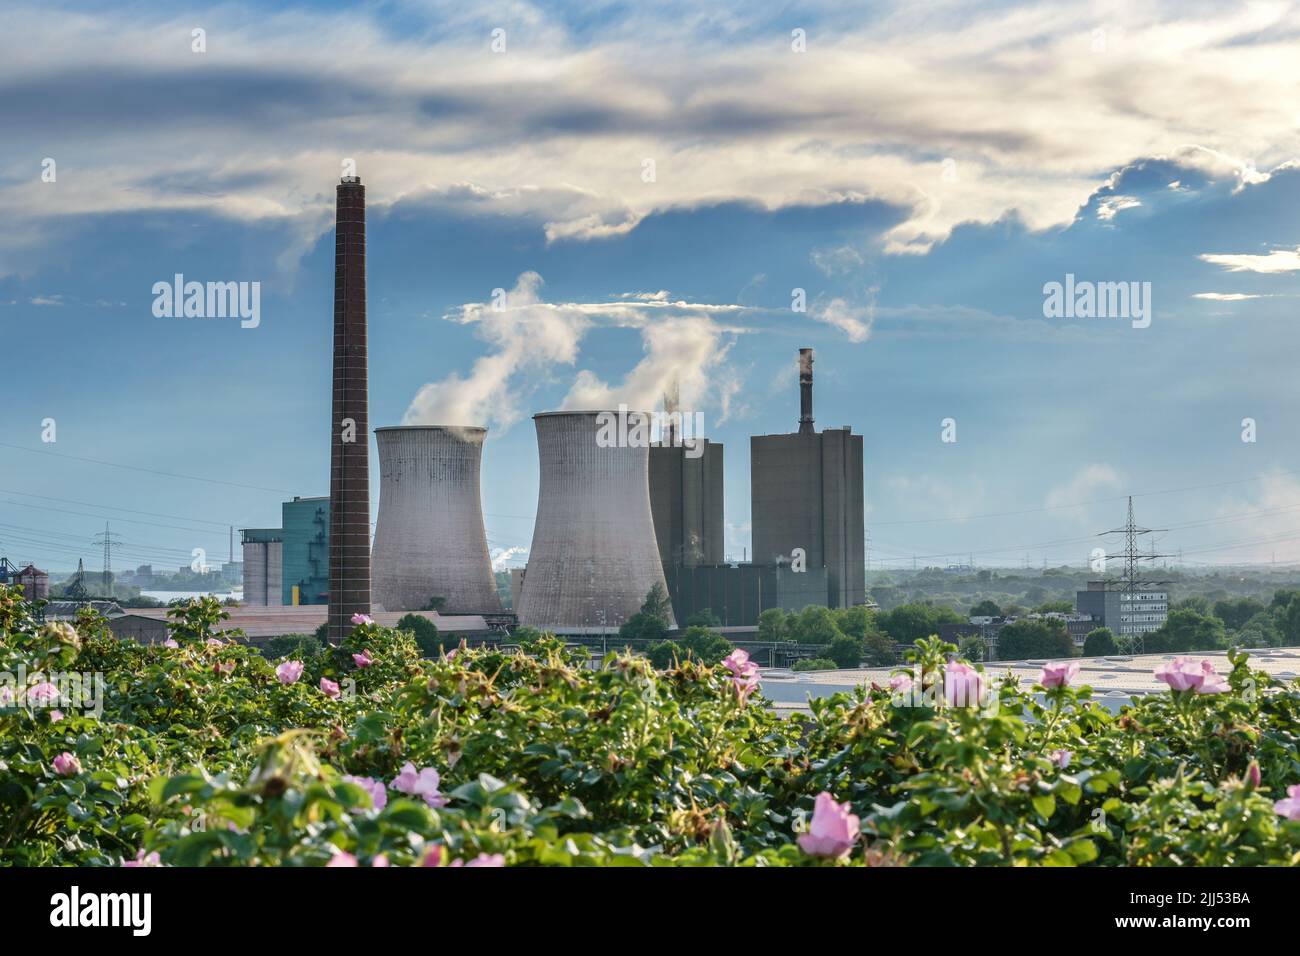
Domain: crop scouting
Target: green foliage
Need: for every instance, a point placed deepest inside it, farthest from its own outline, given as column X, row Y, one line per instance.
column 909, row 623
column 814, row 664
column 972, row 648
column 1236, row 612
column 704, row 618
column 1058, row 607
column 1186, row 630
column 986, row 608
column 1033, row 639
column 425, row 632
column 298, row 647
column 845, row 651
column 698, row 644
column 203, row 757
column 812, row 625
column 772, row 625
column 1100, row 642
column 652, row 621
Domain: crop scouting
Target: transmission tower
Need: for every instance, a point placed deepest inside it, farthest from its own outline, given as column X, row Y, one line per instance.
column 1132, row 580
column 109, row 542
column 77, row 589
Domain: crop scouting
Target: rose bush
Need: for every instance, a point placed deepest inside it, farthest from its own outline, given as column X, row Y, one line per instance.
column 205, row 753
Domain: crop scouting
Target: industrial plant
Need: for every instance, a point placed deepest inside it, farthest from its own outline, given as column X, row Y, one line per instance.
column 613, row 519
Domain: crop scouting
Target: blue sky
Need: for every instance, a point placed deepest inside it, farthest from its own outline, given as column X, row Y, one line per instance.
column 920, row 173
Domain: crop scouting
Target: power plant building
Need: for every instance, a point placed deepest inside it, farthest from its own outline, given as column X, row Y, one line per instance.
column 686, row 501
column 263, row 566
column 349, row 530
column 304, row 533
column 736, row 594
column 806, row 493
column 594, row 553
column 429, row 540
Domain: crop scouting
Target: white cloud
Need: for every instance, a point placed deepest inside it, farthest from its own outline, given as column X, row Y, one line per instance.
column 1086, row 484
column 1226, row 296
column 853, row 322
column 1279, row 260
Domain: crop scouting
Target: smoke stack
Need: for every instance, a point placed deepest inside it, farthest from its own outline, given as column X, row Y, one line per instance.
column 429, row 539
column 594, row 552
column 350, row 424
column 805, row 392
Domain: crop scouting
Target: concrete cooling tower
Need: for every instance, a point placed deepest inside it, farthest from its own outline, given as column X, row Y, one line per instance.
column 429, row 541
column 594, row 554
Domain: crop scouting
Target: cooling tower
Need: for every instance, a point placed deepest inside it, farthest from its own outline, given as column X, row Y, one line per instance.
column 430, row 541
column 594, row 554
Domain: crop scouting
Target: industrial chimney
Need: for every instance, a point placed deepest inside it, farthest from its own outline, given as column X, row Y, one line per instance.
column 349, row 568
column 805, row 392
column 429, row 541
column 594, row 555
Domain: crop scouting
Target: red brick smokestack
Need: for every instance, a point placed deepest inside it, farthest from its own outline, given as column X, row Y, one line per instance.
column 350, row 425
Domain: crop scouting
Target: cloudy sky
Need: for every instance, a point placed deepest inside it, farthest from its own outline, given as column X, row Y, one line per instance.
column 648, row 190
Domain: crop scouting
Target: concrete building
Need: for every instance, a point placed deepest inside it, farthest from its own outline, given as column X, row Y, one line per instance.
column 429, row 540
column 263, row 566
column 738, row 593
column 594, row 554
column 349, row 529
column 1127, row 614
column 686, row 501
column 806, row 493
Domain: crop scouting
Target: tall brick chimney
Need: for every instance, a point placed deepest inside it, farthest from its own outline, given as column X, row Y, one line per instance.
column 350, row 424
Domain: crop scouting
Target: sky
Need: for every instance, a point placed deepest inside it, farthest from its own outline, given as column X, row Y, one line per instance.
column 671, row 194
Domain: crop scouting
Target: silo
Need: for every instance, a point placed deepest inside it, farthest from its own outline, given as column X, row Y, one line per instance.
column 594, row 554
column 429, row 541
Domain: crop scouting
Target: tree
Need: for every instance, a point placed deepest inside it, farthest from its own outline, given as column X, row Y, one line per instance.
column 1234, row 613
column 293, row 646
column 1196, row 602
column 986, row 608
column 704, row 618
column 813, row 625
column 1100, row 642
column 424, row 631
column 772, row 625
column 651, row 622
column 1060, row 607
column 909, row 623
column 845, row 651
column 706, row 646
column 1186, row 630
column 878, row 647
column 971, row 648
column 1027, row 639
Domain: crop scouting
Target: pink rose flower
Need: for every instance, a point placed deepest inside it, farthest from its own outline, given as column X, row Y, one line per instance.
column 67, row 765
column 963, row 685
column 342, row 859
column 834, row 830
column 56, row 716
column 380, row 859
column 483, row 859
column 213, row 642
column 432, row 856
column 6, row 696
column 170, row 643
column 1253, row 775
column 378, row 792
column 1061, row 758
column 143, row 859
column 363, row 659
column 42, row 694
column 329, row 688
column 289, row 672
column 744, row 673
column 1059, row 674
column 420, row 783
column 900, row 684
column 360, row 619
column 1290, row 807
column 1185, row 673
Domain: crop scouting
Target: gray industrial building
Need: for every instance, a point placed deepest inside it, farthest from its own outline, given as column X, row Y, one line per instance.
column 263, row 566
column 429, row 540
column 686, row 501
column 1126, row 613
column 594, row 554
column 806, row 492
column 737, row 594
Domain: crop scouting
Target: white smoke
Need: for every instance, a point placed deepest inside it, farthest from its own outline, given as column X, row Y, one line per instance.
column 684, row 345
